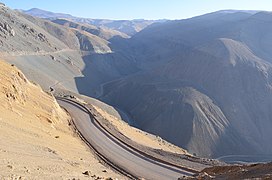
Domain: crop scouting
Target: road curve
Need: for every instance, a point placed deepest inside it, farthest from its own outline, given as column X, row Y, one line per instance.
column 117, row 153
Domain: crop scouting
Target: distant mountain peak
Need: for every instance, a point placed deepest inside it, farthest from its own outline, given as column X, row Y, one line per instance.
column 235, row 11
column 129, row 27
column 263, row 16
column 45, row 14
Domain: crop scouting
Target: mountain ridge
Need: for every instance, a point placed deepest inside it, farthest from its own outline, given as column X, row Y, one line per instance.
column 207, row 76
column 129, row 27
column 209, row 58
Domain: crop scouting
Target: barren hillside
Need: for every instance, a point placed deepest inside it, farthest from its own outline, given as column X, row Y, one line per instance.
column 56, row 55
column 204, row 84
column 129, row 27
column 36, row 140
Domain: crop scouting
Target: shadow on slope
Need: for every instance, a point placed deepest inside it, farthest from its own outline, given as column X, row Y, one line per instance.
column 102, row 68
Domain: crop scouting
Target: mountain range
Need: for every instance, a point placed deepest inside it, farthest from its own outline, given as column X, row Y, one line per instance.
column 204, row 83
column 206, row 80
column 129, row 27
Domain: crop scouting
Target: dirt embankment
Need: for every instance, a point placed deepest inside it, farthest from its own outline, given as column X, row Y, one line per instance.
column 36, row 139
column 253, row 171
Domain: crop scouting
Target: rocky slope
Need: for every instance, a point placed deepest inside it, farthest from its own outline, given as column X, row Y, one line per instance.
column 36, row 140
column 202, row 83
column 84, row 58
column 98, row 31
column 129, row 27
column 253, row 171
column 56, row 55
column 205, row 83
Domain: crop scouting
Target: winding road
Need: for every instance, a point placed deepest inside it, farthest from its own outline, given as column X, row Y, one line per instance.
column 125, row 158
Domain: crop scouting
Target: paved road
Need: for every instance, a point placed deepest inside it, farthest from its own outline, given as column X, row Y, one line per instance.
column 245, row 159
column 116, row 152
column 32, row 53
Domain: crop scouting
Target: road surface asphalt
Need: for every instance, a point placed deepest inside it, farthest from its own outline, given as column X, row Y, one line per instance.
column 116, row 152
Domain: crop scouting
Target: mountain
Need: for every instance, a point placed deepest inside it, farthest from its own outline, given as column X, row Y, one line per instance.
column 104, row 33
column 129, row 27
column 45, row 14
column 55, row 55
column 204, row 83
column 36, row 139
column 235, row 11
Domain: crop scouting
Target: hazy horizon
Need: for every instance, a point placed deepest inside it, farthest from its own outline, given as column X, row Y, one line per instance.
column 149, row 10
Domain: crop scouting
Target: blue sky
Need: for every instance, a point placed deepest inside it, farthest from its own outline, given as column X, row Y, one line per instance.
column 139, row 9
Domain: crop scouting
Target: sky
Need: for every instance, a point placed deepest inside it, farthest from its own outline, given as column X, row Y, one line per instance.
column 139, row 9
